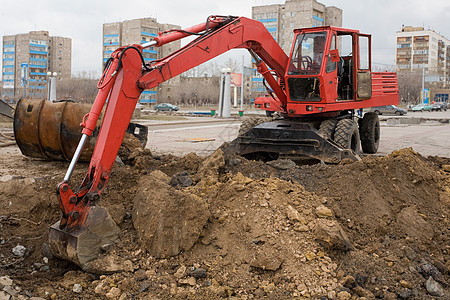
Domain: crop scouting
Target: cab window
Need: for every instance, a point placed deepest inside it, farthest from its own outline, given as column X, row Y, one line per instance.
column 331, row 66
column 308, row 52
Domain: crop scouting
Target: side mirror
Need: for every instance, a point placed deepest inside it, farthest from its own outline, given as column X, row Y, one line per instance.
column 335, row 55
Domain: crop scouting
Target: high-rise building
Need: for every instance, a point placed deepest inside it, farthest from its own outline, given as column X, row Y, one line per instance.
column 26, row 60
column 419, row 49
column 281, row 20
column 139, row 31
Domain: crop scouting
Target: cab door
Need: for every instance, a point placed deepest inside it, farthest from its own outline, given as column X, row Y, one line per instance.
column 363, row 65
column 330, row 78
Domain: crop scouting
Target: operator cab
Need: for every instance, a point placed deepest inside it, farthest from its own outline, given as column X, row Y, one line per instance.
column 329, row 65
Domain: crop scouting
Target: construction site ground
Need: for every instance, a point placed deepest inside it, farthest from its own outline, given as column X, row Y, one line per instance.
column 199, row 222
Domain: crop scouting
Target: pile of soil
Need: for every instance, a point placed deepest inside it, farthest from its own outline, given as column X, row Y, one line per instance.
column 223, row 226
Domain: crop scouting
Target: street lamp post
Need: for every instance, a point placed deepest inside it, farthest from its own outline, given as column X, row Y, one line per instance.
column 51, row 82
column 224, row 100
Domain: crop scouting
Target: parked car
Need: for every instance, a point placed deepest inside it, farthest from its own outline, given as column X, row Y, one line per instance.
column 422, row 107
column 166, row 107
column 388, row 109
column 439, row 106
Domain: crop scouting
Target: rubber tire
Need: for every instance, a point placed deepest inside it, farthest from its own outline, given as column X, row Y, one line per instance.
column 249, row 123
column 346, row 135
column 369, row 130
column 377, row 112
column 397, row 113
column 326, row 129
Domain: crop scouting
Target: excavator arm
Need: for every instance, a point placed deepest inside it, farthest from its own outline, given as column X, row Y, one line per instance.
column 85, row 227
column 237, row 33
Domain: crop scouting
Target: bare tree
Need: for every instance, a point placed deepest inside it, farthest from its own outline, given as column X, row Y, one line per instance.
column 197, row 91
column 81, row 89
column 233, row 64
column 409, row 86
column 198, row 71
column 214, row 69
column 87, row 75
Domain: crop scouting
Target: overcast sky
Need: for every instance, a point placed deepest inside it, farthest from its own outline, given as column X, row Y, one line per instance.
column 82, row 20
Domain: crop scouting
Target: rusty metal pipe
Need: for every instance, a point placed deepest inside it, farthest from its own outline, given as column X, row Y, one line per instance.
column 51, row 130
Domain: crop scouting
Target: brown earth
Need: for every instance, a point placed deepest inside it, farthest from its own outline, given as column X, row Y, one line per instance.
column 227, row 227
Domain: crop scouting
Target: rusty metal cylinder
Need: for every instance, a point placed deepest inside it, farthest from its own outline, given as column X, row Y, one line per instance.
column 50, row 130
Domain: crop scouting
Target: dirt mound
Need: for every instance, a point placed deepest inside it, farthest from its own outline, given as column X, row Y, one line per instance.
column 378, row 228
column 395, row 209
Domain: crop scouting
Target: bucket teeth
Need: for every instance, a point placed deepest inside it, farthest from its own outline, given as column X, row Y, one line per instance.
column 84, row 243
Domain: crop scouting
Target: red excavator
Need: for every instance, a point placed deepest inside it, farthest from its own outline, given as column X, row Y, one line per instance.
column 318, row 86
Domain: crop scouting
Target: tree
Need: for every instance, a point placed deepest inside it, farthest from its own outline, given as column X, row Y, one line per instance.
column 233, row 64
column 198, row 71
column 409, row 86
column 197, row 91
column 81, row 89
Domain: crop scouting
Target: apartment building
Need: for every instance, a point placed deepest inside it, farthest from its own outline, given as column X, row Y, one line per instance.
column 281, row 20
column 419, row 49
column 140, row 31
column 26, row 60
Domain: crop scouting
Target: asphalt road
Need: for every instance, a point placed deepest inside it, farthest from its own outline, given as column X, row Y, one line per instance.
column 204, row 135
column 201, row 136
column 430, row 137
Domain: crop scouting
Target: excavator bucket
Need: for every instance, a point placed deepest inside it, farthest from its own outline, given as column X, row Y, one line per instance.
column 85, row 243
